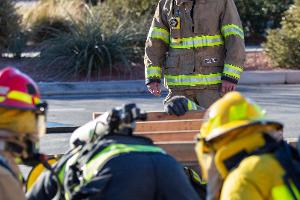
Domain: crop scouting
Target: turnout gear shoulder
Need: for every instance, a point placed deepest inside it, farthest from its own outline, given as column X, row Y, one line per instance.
column 10, row 187
column 85, row 165
column 253, row 178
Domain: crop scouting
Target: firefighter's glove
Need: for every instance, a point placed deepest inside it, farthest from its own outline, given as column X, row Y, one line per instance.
column 179, row 105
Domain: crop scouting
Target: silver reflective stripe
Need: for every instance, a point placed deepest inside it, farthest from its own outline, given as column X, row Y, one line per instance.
column 233, row 70
column 153, row 71
column 232, row 29
column 193, row 80
column 206, row 41
column 236, row 30
column 198, row 41
column 159, row 33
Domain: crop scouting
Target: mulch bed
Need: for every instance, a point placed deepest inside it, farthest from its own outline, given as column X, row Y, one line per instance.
column 254, row 61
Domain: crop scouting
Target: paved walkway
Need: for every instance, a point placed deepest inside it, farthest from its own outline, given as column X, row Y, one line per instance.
column 138, row 86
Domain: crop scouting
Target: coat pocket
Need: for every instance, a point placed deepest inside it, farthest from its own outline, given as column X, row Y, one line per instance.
column 172, row 63
column 187, row 63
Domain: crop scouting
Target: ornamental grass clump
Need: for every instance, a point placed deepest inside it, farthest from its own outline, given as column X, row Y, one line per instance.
column 87, row 51
column 283, row 44
column 47, row 18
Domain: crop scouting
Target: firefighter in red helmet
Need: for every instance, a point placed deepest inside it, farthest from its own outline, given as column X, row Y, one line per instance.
column 22, row 121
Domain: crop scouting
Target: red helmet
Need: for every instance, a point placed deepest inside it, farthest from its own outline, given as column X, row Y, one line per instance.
column 17, row 90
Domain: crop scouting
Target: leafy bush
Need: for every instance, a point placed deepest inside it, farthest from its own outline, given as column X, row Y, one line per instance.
column 283, row 45
column 50, row 17
column 88, row 51
column 259, row 15
column 9, row 22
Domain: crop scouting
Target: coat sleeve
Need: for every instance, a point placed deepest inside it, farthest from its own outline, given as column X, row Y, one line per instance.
column 157, row 44
column 233, row 34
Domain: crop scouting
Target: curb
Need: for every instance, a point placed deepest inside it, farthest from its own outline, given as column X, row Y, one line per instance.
column 138, row 86
column 270, row 77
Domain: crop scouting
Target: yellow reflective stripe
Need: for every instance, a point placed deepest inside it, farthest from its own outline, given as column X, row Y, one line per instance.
column 193, row 80
column 232, row 29
column 192, row 106
column 233, row 70
column 100, row 159
column 153, row 71
column 159, row 33
column 36, row 100
column 282, row 192
column 197, row 41
column 20, row 96
column 2, row 98
column 61, row 174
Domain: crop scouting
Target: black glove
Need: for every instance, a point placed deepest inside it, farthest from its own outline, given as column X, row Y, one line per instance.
column 177, row 105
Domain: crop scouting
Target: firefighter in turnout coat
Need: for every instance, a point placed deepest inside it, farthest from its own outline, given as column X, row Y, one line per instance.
column 197, row 46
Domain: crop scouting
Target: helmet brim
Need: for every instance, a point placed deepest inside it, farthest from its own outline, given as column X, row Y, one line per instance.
column 13, row 104
column 237, row 125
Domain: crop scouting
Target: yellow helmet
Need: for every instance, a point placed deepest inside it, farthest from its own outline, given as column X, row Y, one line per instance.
column 230, row 119
column 233, row 112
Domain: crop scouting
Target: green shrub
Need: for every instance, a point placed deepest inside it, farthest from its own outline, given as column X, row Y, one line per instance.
column 283, row 45
column 259, row 15
column 88, row 51
column 9, row 22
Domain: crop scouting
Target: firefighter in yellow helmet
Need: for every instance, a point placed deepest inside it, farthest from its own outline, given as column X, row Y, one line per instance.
column 22, row 120
column 241, row 156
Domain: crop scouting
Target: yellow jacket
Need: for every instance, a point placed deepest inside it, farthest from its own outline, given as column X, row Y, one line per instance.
column 195, row 44
column 257, row 177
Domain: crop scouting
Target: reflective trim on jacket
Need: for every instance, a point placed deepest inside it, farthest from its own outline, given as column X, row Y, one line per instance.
column 213, row 31
column 282, row 192
column 97, row 162
column 193, row 80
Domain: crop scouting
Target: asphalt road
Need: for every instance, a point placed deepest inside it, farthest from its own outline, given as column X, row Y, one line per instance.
column 282, row 103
